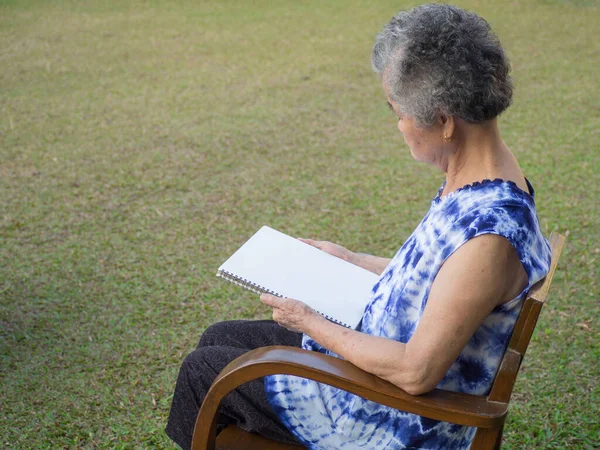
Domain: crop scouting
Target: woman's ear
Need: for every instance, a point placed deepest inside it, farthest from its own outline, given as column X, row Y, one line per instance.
column 448, row 125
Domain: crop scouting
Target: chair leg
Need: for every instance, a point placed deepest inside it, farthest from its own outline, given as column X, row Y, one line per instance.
column 487, row 439
column 499, row 440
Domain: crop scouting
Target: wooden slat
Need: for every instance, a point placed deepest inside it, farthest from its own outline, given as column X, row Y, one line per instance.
column 520, row 325
column 506, row 376
column 527, row 327
column 539, row 292
column 535, row 300
column 232, row 438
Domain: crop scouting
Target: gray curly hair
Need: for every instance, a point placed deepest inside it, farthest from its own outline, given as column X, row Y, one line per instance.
column 442, row 59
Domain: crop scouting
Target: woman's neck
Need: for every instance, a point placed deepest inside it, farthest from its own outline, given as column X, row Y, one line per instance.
column 480, row 153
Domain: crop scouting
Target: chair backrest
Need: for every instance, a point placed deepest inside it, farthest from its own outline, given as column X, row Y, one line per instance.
column 507, row 373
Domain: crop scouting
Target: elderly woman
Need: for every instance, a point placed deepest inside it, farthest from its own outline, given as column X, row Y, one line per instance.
column 445, row 305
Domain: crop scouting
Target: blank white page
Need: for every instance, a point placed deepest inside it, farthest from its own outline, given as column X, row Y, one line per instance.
column 275, row 262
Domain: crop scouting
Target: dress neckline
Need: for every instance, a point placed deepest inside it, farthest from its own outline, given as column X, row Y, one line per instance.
column 485, row 182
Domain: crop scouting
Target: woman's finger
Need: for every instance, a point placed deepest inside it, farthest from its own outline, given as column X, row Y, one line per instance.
column 312, row 242
column 270, row 300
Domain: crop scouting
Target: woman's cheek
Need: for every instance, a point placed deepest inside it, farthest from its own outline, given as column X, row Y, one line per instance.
column 412, row 142
column 416, row 149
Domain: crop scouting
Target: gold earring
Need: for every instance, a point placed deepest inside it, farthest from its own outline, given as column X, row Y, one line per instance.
column 447, row 138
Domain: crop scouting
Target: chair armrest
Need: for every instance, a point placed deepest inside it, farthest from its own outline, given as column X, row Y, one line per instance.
column 462, row 409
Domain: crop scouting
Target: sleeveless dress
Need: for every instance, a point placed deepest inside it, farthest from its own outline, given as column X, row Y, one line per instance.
column 326, row 418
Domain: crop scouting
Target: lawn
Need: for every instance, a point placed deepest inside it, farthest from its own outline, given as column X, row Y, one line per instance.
column 141, row 142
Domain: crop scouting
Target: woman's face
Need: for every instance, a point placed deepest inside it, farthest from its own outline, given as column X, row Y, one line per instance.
column 425, row 144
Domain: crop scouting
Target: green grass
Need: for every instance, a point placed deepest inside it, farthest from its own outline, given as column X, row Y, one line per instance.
column 142, row 142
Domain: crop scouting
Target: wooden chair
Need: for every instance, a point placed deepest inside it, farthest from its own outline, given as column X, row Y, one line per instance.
column 486, row 413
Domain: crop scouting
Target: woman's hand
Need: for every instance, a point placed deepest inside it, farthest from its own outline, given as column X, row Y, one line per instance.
column 371, row 263
column 289, row 313
column 332, row 249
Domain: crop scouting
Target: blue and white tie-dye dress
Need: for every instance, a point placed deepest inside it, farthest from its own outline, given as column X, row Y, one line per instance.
column 324, row 417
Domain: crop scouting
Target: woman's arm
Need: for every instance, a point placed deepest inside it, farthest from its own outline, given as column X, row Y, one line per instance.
column 371, row 263
column 483, row 273
column 375, row 264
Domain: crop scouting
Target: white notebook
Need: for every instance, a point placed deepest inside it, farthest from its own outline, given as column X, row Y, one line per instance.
column 276, row 263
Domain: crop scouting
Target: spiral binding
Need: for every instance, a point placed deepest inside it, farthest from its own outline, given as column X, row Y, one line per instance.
column 247, row 284
column 257, row 289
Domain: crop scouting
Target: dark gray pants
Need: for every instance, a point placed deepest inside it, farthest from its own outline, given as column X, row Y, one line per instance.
column 247, row 406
